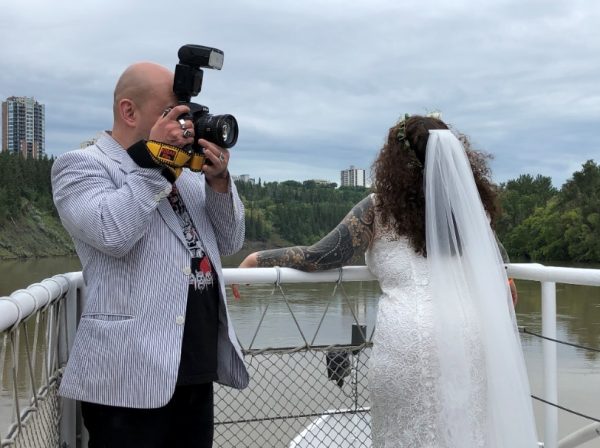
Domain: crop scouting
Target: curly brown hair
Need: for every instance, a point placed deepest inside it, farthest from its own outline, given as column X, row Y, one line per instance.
column 398, row 174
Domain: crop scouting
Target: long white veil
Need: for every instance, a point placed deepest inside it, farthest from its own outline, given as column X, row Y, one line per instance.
column 481, row 360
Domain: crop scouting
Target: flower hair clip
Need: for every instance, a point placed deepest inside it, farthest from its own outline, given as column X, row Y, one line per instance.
column 401, row 135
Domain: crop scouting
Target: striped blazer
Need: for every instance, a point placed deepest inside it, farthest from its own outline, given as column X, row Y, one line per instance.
column 136, row 268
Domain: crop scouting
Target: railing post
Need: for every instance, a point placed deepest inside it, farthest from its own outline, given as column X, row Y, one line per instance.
column 69, row 417
column 550, row 364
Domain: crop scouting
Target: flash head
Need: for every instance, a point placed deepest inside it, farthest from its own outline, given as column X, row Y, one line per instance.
column 201, row 57
column 188, row 73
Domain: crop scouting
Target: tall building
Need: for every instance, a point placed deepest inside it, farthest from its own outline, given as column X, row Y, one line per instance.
column 353, row 177
column 23, row 126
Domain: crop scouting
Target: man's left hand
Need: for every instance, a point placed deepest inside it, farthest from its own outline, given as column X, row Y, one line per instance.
column 216, row 174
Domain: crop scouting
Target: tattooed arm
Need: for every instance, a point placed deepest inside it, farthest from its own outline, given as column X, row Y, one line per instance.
column 350, row 238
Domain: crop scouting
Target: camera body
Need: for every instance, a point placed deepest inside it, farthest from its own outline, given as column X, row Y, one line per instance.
column 219, row 129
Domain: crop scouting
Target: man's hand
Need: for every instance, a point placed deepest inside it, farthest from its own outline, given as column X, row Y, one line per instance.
column 164, row 148
column 216, row 174
column 170, row 130
column 251, row 261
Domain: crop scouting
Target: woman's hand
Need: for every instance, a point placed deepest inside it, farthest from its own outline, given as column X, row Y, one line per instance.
column 251, row 261
column 513, row 291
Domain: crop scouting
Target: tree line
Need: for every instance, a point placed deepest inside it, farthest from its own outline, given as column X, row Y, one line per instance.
column 24, row 183
column 539, row 222
column 297, row 213
column 542, row 223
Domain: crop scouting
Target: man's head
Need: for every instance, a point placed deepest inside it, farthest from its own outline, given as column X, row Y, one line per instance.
column 142, row 93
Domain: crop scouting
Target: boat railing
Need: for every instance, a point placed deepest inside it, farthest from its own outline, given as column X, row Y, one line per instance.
column 300, row 396
column 37, row 327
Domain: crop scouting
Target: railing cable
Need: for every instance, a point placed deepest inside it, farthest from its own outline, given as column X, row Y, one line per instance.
column 562, row 408
column 362, row 410
column 526, row 331
column 326, row 309
column 292, row 312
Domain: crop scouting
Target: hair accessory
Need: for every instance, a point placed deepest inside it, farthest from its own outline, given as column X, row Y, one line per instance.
column 401, row 135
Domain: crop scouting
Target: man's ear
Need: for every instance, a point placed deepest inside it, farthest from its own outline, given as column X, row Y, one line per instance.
column 128, row 112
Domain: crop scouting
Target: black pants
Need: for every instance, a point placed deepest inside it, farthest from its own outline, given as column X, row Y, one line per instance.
column 187, row 421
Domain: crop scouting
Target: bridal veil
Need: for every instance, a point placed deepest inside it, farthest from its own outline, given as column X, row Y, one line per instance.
column 469, row 284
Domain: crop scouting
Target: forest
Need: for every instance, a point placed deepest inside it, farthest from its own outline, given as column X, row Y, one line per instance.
column 539, row 222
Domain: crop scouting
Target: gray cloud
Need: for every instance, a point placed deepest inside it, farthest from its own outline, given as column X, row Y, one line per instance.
column 316, row 84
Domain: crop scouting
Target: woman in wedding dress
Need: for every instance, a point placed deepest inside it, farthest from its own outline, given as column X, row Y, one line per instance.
column 446, row 370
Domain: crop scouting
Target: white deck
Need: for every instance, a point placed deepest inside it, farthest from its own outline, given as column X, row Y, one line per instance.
column 336, row 430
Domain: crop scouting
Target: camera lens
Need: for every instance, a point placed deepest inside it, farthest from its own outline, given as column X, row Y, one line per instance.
column 219, row 129
column 226, row 132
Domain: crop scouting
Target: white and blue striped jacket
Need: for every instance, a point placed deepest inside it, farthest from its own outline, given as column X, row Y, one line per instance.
column 136, row 268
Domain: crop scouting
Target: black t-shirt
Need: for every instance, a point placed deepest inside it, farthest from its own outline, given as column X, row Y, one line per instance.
column 199, row 345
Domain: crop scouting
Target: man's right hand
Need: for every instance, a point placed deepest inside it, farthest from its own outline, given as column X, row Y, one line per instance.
column 169, row 130
column 164, row 148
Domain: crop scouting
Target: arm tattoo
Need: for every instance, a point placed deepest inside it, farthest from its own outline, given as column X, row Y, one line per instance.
column 349, row 239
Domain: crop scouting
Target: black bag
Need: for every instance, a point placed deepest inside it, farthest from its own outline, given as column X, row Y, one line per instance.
column 338, row 365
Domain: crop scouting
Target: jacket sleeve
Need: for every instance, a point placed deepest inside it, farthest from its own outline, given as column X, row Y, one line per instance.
column 94, row 210
column 226, row 214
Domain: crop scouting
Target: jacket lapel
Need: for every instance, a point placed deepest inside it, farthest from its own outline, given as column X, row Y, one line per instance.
column 170, row 218
column 191, row 192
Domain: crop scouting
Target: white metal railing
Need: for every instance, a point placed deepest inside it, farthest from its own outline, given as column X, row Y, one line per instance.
column 23, row 304
column 56, row 300
column 549, row 276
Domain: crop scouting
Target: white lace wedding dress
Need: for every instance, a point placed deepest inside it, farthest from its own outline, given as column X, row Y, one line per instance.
column 404, row 370
column 447, row 365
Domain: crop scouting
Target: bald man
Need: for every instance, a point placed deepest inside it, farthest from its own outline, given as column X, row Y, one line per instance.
column 155, row 332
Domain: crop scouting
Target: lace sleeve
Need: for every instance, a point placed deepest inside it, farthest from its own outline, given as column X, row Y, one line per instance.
column 349, row 239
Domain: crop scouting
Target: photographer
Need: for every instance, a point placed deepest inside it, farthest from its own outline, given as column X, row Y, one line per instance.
column 149, row 232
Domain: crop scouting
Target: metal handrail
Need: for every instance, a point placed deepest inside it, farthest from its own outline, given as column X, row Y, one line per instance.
column 23, row 304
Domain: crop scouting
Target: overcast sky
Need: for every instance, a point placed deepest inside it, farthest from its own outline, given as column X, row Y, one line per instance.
column 315, row 85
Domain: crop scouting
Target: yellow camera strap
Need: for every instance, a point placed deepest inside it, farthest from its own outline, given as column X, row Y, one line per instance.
column 168, row 155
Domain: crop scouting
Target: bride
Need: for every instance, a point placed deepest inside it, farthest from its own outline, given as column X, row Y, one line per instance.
column 447, row 368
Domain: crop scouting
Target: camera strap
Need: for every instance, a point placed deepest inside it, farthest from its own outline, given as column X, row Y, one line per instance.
column 168, row 155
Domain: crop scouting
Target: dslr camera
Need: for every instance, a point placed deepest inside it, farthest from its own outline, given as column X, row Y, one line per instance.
column 219, row 129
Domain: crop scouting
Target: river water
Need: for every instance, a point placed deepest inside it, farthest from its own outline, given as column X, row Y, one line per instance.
column 578, row 309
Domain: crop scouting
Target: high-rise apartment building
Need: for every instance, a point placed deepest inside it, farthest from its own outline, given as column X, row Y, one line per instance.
column 353, row 177
column 23, row 126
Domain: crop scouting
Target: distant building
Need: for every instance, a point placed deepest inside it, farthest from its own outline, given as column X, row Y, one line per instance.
column 319, row 183
column 23, row 126
column 244, row 178
column 353, row 177
column 90, row 142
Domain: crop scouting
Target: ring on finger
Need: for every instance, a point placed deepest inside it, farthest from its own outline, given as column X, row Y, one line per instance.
column 187, row 133
column 221, row 157
column 182, row 123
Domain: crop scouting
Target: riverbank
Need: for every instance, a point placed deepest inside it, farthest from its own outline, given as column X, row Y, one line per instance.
column 41, row 235
column 32, row 235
